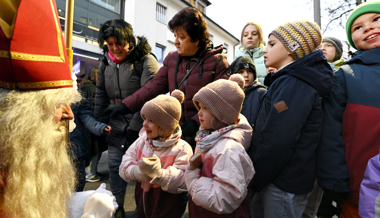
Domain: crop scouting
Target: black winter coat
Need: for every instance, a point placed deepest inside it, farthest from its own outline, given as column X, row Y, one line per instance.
column 288, row 126
column 118, row 81
column 84, row 120
column 254, row 96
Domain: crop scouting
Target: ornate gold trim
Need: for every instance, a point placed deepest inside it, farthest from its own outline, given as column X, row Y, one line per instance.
column 4, row 54
column 36, row 57
column 36, row 85
column 7, row 85
column 58, row 29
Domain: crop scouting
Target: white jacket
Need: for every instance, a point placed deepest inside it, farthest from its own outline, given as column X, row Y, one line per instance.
column 226, row 173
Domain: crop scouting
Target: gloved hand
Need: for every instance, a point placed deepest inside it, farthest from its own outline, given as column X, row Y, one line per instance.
column 101, row 204
column 132, row 135
column 189, row 128
column 190, row 175
column 151, row 166
column 326, row 208
column 138, row 175
column 115, row 110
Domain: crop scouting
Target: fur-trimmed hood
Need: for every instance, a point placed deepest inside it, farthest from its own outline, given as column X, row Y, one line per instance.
column 140, row 49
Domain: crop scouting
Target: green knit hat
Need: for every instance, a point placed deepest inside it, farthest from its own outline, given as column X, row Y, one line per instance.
column 368, row 7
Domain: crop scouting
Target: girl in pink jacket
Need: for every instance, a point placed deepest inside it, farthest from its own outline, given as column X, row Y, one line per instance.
column 218, row 187
column 157, row 160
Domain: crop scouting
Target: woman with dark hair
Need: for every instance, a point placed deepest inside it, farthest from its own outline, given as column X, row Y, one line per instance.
column 195, row 64
column 126, row 67
column 88, row 85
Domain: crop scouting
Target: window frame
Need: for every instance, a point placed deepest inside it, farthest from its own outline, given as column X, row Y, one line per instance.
column 161, row 13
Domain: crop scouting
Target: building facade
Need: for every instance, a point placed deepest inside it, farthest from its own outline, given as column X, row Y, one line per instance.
column 148, row 18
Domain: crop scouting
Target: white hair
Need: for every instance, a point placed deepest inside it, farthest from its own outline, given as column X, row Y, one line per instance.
column 37, row 175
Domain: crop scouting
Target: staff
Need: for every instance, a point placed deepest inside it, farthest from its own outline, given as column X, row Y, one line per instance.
column 69, row 30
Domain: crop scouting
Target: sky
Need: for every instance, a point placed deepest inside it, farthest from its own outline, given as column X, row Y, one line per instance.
column 268, row 14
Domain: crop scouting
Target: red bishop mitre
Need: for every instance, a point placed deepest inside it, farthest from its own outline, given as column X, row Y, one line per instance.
column 32, row 50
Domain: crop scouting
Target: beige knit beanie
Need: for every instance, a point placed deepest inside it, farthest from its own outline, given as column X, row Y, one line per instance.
column 165, row 111
column 299, row 37
column 224, row 98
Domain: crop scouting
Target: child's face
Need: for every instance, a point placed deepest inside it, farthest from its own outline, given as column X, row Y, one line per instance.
column 250, row 37
column 275, row 54
column 150, row 127
column 365, row 31
column 328, row 50
column 248, row 76
column 205, row 117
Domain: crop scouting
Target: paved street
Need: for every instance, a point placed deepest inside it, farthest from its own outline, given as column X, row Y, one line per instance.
column 129, row 203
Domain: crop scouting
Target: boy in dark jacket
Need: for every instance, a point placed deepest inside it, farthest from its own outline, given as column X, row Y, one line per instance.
column 83, row 119
column 288, row 126
column 253, row 90
column 351, row 113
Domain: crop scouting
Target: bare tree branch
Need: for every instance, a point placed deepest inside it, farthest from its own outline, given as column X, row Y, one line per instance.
column 336, row 18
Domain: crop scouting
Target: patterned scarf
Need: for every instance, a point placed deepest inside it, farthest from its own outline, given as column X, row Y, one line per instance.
column 206, row 139
column 162, row 143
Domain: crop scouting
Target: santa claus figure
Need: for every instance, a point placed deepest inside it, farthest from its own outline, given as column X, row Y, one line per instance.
column 37, row 176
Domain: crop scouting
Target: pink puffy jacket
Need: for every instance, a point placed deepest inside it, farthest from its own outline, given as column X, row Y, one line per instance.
column 226, row 173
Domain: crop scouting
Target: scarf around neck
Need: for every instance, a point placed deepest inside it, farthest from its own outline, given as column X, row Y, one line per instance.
column 206, row 139
column 159, row 144
column 113, row 58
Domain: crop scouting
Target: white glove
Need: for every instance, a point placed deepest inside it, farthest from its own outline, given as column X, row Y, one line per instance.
column 138, row 175
column 190, row 175
column 151, row 166
column 101, row 204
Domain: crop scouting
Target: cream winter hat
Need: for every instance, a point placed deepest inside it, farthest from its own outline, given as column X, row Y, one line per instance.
column 224, row 98
column 165, row 111
column 299, row 37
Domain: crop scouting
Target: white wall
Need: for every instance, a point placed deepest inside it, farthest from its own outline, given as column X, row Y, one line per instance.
column 221, row 37
column 141, row 14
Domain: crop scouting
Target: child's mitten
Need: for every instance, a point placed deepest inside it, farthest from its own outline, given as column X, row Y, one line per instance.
column 151, row 166
column 190, row 175
column 138, row 175
column 101, row 204
column 196, row 161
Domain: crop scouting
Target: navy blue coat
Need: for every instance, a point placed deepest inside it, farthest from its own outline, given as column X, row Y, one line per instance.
column 83, row 118
column 288, row 126
column 254, row 96
column 351, row 127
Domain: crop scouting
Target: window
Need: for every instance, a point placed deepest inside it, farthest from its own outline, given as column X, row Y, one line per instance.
column 159, row 52
column 225, row 48
column 83, row 19
column 160, row 13
column 61, row 12
column 112, row 5
column 201, row 8
column 192, row 2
